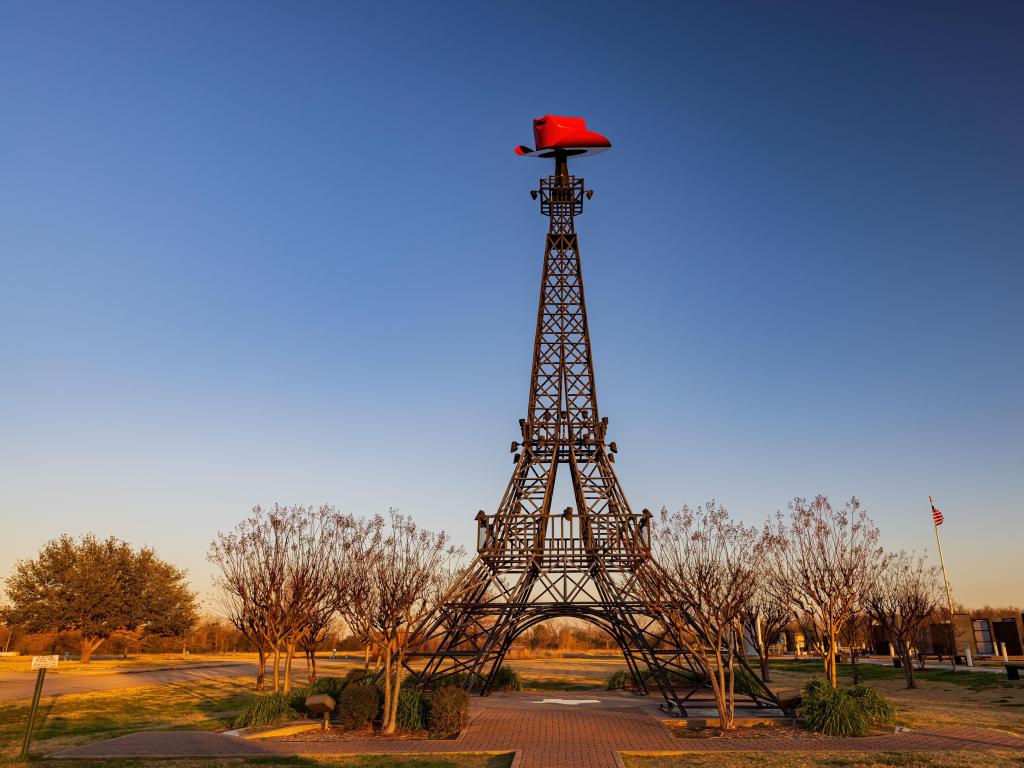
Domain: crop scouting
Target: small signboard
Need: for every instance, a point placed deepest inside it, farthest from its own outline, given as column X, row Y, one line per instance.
column 44, row 662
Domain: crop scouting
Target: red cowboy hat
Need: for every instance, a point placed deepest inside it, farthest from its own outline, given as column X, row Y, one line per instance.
column 567, row 136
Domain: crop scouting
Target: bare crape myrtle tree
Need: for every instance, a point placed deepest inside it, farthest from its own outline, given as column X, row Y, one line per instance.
column 358, row 547
column 403, row 573
column 824, row 563
column 277, row 581
column 765, row 617
column 856, row 635
column 699, row 581
column 905, row 596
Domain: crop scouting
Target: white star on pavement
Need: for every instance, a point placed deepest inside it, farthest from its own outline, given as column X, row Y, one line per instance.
column 571, row 702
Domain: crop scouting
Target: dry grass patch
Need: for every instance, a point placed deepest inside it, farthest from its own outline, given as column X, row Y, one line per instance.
column 503, row 760
column 100, row 665
column 64, row 721
column 943, row 698
column 566, row 674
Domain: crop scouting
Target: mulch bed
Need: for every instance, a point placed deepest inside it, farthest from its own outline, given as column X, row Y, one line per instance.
column 362, row 734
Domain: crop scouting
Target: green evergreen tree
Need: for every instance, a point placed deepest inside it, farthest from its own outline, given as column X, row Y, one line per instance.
column 96, row 588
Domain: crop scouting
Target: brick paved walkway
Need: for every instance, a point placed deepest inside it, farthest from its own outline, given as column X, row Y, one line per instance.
column 545, row 736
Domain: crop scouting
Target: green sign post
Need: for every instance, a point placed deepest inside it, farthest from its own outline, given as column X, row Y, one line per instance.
column 42, row 663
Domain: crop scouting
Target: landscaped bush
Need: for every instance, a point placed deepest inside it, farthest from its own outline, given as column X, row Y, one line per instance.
column 877, row 708
column 266, row 710
column 357, row 706
column 448, row 713
column 297, row 699
column 506, row 679
column 838, row 712
column 332, row 686
column 356, row 675
column 688, row 678
column 618, row 680
column 623, row 680
column 458, row 680
column 412, row 709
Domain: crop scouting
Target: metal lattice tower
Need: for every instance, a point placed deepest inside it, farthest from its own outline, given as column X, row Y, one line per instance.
column 534, row 563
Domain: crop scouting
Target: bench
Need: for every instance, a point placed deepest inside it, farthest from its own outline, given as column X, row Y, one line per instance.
column 1013, row 670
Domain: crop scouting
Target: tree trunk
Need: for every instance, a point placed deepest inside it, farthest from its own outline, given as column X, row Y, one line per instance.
column 310, row 665
column 289, row 654
column 261, row 668
column 387, row 726
column 762, row 656
column 397, row 690
column 725, row 721
column 830, row 659
column 853, row 666
column 718, row 686
column 908, row 664
column 277, row 668
column 89, row 644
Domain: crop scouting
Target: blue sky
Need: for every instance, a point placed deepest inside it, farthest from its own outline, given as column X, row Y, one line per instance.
column 265, row 252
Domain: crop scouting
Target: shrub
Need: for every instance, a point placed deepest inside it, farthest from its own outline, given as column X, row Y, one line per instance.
column 458, row 680
column 833, row 711
column 448, row 713
column 877, row 708
column 266, row 710
column 412, row 680
column 815, row 688
column 506, row 679
column 355, row 675
column 843, row 713
column 297, row 699
column 357, row 706
column 618, row 680
column 688, row 678
column 332, row 686
column 623, row 680
column 412, row 709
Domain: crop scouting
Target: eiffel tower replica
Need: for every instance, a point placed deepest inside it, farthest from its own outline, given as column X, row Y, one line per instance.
column 534, row 563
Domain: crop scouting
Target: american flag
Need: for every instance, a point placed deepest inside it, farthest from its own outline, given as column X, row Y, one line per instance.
column 936, row 515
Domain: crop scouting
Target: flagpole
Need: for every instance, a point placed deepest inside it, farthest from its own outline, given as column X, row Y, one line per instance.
column 945, row 580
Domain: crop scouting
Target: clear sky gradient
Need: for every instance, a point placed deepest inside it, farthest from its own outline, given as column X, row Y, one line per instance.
column 264, row 252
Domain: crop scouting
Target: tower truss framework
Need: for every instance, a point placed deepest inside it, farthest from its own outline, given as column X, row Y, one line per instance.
column 534, row 563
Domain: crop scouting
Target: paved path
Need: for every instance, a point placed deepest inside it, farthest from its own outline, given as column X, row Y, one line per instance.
column 545, row 736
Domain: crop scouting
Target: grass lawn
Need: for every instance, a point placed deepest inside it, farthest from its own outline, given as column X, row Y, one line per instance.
column 566, row 674
column 398, row 761
column 942, row 698
column 377, row 761
column 989, row 759
column 103, row 664
column 65, row 721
